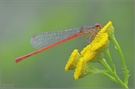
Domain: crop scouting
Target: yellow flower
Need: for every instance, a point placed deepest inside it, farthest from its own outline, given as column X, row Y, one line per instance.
column 99, row 41
column 93, row 51
column 89, row 53
column 85, row 49
column 72, row 60
column 105, row 28
column 109, row 29
column 82, row 69
column 98, row 44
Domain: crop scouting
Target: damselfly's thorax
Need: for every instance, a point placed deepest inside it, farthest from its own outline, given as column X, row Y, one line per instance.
column 90, row 29
column 87, row 29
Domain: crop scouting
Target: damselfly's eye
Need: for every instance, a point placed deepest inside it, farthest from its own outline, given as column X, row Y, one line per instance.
column 98, row 26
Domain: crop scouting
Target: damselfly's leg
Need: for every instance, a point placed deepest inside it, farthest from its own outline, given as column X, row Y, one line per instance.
column 90, row 35
column 87, row 39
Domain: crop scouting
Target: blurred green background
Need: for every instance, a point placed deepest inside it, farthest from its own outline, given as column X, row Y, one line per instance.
column 20, row 19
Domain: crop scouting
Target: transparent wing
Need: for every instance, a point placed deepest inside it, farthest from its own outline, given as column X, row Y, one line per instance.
column 40, row 40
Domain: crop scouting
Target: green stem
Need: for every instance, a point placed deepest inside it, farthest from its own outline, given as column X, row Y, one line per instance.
column 104, row 63
column 126, row 72
column 110, row 59
column 111, row 77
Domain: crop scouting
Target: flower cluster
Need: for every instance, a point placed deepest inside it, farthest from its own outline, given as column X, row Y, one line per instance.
column 92, row 52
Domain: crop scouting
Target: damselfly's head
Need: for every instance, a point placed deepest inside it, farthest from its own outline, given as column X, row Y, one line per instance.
column 98, row 26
